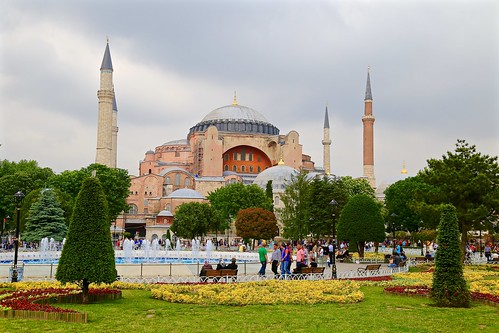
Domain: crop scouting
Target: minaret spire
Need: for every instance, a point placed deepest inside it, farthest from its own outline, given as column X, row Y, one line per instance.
column 107, row 129
column 326, row 142
column 368, row 121
column 369, row 95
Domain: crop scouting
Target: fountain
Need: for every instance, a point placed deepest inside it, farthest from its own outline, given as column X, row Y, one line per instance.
column 195, row 248
column 127, row 250
column 155, row 247
column 209, row 249
column 44, row 248
column 168, row 245
column 52, row 245
column 147, row 246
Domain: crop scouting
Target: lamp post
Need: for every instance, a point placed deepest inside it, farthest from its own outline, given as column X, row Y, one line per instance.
column 334, row 203
column 18, row 197
column 394, row 216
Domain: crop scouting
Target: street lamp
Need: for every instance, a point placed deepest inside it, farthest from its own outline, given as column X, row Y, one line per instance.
column 394, row 216
column 334, row 204
column 18, row 197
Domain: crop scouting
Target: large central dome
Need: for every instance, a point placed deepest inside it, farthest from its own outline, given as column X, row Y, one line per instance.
column 236, row 118
column 235, row 112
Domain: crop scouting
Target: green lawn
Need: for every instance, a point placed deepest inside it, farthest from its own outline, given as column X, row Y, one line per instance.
column 137, row 312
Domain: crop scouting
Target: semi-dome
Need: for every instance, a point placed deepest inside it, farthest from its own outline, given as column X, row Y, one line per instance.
column 166, row 213
column 237, row 119
column 280, row 175
column 185, row 193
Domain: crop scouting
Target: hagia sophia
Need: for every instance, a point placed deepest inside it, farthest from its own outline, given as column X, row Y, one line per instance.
column 233, row 143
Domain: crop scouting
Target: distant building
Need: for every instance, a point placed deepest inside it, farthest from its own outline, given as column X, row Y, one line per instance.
column 233, row 143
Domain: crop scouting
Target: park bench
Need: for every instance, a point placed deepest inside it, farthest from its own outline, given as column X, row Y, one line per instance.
column 219, row 275
column 369, row 268
column 307, row 272
column 424, row 259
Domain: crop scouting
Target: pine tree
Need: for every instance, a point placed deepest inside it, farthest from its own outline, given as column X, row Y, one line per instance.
column 449, row 287
column 45, row 219
column 88, row 254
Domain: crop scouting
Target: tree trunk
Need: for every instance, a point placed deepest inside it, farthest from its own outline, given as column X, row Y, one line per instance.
column 84, row 290
column 360, row 248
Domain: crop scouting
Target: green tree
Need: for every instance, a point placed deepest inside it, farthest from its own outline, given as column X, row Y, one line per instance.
column 400, row 198
column 256, row 223
column 449, row 287
column 361, row 221
column 354, row 186
column 294, row 214
column 322, row 192
column 24, row 176
column 46, row 219
column 63, row 200
column 466, row 179
column 115, row 182
column 270, row 194
column 228, row 200
column 193, row 219
column 88, row 255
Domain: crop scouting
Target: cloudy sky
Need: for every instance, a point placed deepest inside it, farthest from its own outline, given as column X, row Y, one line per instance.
column 435, row 75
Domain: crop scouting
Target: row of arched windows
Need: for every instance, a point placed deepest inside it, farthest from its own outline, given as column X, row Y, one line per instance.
column 243, row 169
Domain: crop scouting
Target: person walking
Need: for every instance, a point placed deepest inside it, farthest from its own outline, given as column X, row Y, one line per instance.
column 262, row 252
column 285, row 260
column 275, row 258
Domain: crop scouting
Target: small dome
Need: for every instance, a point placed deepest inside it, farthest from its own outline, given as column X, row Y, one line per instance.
column 185, row 193
column 180, row 142
column 165, row 213
column 280, row 175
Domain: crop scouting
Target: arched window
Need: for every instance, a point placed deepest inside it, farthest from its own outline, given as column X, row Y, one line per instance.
column 168, row 207
column 226, row 167
column 132, row 209
column 187, row 182
column 234, row 168
column 177, row 179
column 243, row 168
column 259, row 169
column 167, row 180
column 276, row 200
column 251, row 169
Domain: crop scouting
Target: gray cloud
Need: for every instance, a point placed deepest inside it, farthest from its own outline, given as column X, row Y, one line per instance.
column 435, row 75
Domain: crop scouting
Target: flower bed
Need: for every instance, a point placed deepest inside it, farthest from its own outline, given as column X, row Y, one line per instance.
column 34, row 303
column 263, row 292
column 425, row 291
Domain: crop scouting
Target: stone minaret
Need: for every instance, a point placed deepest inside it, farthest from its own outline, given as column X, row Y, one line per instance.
column 107, row 124
column 368, row 121
column 114, row 139
column 326, row 142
